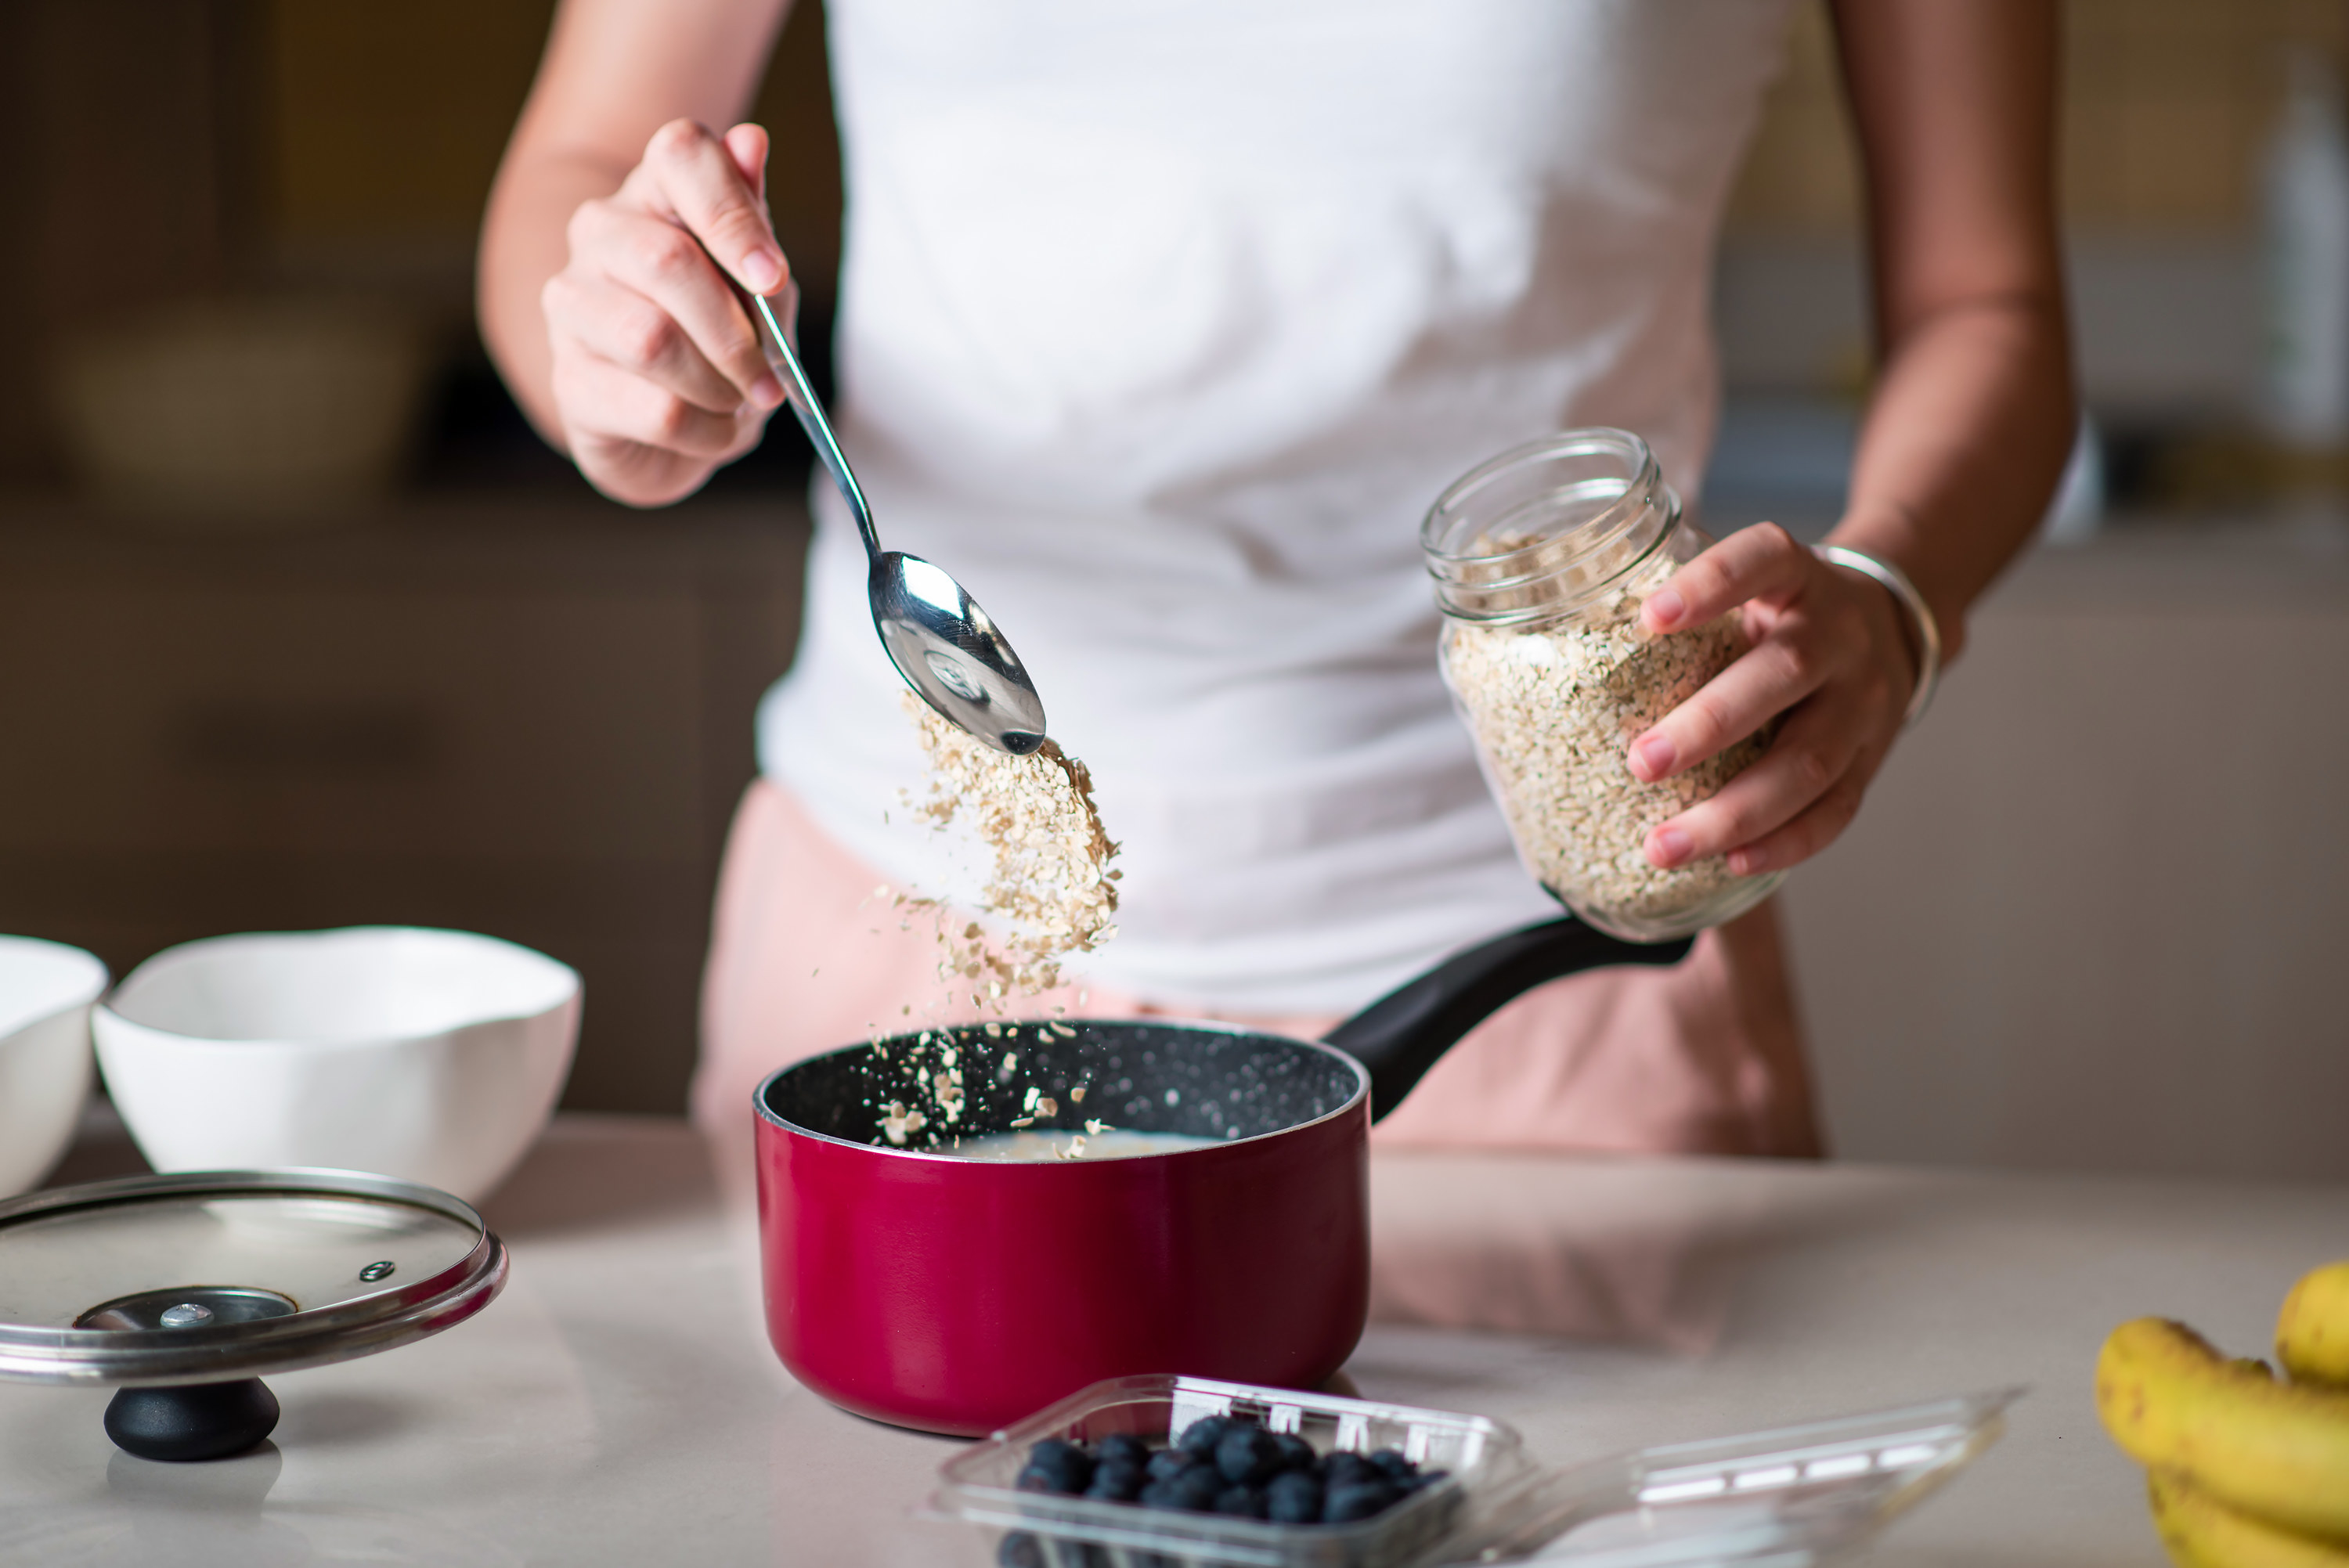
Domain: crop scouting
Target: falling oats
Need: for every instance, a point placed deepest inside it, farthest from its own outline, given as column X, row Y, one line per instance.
column 1051, row 891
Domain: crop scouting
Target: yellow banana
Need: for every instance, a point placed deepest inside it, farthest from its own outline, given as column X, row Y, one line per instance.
column 2313, row 1330
column 2202, row 1532
column 2277, row 1450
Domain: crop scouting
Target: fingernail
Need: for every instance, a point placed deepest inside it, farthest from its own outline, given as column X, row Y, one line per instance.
column 1743, row 863
column 1665, row 608
column 1653, row 756
column 762, row 270
column 766, row 392
column 1668, row 847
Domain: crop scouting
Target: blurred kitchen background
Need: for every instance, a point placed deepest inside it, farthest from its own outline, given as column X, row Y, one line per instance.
column 300, row 625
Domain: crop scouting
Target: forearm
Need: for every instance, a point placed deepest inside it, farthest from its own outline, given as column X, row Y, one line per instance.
column 1954, row 101
column 615, row 72
column 1964, row 441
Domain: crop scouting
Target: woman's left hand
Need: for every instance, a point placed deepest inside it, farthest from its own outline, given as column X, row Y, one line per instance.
column 1966, row 431
column 1828, row 651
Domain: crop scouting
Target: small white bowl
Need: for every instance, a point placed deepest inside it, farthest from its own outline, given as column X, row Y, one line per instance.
column 45, row 992
column 433, row 1055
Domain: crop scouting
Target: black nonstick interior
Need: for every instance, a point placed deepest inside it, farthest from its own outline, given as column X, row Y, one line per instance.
column 1136, row 1077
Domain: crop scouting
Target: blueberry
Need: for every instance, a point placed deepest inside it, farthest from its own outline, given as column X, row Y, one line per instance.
column 1056, row 1465
column 1114, row 1480
column 1347, row 1469
column 1122, row 1448
column 1295, row 1453
column 1247, row 1455
column 1020, row 1550
column 1244, row 1502
column 1039, row 1477
column 1392, row 1464
column 1195, row 1490
column 1358, row 1499
column 1294, row 1498
column 1168, row 1463
column 1201, row 1435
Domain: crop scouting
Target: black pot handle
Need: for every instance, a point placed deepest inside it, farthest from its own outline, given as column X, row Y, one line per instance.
column 1401, row 1034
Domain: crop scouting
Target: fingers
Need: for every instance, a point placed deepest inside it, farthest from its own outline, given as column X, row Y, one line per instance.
column 695, row 178
column 659, row 371
column 671, row 316
column 1812, row 830
column 1769, row 678
column 1820, row 748
column 603, row 400
column 1758, row 562
column 621, row 327
column 747, row 145
column 1826, row 657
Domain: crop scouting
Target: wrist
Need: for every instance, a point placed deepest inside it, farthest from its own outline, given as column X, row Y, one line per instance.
column 1919, row 625
column 1891, row 534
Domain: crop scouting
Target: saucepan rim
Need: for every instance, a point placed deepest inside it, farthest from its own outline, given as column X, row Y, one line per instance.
column 1203, row 1027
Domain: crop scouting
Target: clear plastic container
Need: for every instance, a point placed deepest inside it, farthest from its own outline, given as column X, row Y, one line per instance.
column 1542, row 559
column 1789, row 1497
column 1483, row 1457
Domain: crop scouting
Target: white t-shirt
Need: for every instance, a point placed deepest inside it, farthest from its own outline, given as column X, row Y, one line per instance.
column 1162, row 325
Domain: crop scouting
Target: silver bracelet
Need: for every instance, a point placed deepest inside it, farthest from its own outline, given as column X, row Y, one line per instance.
column 1926, row 631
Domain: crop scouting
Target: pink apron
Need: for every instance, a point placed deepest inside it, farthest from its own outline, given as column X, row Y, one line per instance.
column 1702, row 1058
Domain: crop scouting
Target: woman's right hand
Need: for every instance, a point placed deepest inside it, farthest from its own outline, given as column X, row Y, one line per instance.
column 658, row 372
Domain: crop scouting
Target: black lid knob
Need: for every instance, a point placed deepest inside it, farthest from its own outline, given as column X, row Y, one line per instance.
column 192, row 1420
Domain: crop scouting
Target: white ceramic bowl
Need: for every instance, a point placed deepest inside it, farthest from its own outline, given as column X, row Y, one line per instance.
column 435, row 1056
column 46, row 991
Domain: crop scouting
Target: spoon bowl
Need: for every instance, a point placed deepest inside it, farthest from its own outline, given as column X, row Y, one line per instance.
column 947, row 647
column 950, row 651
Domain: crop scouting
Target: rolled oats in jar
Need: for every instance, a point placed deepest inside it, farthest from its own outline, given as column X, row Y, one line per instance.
column 1542, row 559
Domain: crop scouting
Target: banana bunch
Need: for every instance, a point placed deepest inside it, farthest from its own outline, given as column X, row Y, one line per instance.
column 2246, row 1472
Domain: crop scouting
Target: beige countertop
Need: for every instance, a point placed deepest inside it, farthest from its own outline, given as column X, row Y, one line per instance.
column 618, row 1403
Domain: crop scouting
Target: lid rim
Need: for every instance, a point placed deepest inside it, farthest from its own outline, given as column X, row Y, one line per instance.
column 222, row 1352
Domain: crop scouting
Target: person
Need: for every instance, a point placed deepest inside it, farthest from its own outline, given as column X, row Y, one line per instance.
column 1160, row 328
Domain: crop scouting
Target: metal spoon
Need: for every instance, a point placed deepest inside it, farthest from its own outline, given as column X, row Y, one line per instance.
column 936, row 633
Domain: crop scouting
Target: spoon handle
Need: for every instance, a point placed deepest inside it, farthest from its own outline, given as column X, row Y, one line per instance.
column 818, row 427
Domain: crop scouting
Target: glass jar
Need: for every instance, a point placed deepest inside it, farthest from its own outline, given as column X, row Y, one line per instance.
column 1542, row 559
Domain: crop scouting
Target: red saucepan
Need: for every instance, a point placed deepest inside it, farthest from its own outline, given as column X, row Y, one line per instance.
column 916, row 1287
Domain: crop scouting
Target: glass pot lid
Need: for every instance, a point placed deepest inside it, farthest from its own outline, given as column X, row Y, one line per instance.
column 203, row 1277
